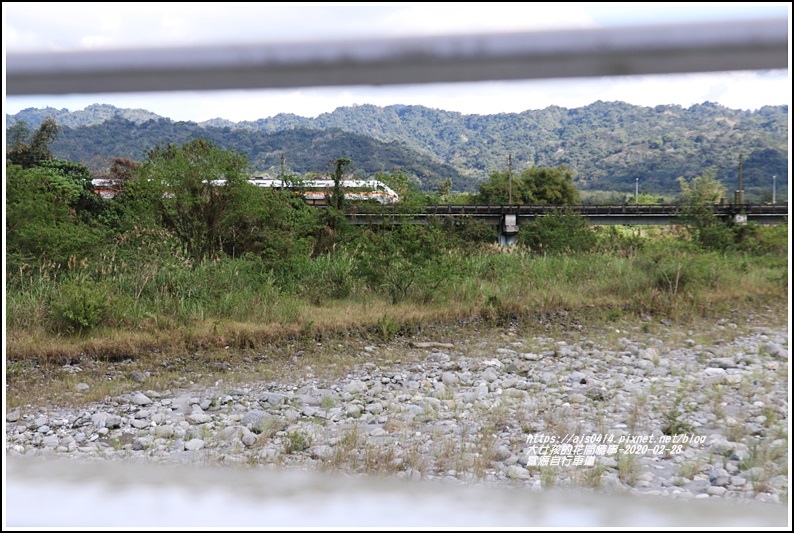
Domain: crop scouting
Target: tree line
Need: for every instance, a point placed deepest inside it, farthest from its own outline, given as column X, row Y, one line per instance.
column 607, row 145
column 176, row 246
column 173, row 189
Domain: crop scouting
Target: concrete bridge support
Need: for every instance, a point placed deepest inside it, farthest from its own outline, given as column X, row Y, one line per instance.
column 508, row 230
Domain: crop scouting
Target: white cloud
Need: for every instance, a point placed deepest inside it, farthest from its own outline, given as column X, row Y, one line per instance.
column 122, row 24
column 49, row 25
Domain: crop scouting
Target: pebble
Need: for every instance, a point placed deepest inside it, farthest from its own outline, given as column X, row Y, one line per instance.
column 609, row 411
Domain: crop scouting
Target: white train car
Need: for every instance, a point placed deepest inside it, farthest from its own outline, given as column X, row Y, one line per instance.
column 106, row 188
column 315, row 191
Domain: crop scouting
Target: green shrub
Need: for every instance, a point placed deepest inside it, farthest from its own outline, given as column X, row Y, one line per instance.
column 558, row 233
column 465, row 231
column 621, row 241
column 387, row 328
column 79, row 307
column 756, row 239
column 715, row 236
column 403, row 261
column 296, row 442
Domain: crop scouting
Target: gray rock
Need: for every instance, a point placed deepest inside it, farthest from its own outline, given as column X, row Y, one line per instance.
column 517, row 472
column 577, row 398
column 248, row 438
column 490, row 374
column 449, row 379
column 105, row 420
column 697, row 486
column 194, row 444
column 141, row 399
column 198, row 418
column 261, row 422
column 465, row 417
column 501, row 453
column 719, row 477
column 596, row 393
column 375, row 408
column 356, row 387
column 166, row 431
column 723, row 362
column 140, row 424
column 272, row 398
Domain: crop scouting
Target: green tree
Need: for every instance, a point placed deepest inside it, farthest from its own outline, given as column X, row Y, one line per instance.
column 701, row 191
column 536, row 185
column 195, row 187
column 698, row 197
column 41, row 220
column 88, row 204
column 28, row 149
column 273, row 224
column 405, row 260
column 138, row 205
column 17, row 136
column 338, row 194
column 444, row 190
column 645, row 198
column 557, row 233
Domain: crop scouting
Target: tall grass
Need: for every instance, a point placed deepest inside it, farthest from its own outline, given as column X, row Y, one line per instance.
column 156, row 292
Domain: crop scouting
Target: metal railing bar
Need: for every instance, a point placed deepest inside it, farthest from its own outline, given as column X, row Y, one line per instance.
column 631, row 50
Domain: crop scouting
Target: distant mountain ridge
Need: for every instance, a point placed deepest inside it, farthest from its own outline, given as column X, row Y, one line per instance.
column 609, row 145
column 90, row 116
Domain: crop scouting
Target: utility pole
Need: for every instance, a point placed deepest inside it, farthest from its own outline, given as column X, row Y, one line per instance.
column 773, row 189
column 740, row 192
column 636, row 191
column 510, row 179
column 282, row 165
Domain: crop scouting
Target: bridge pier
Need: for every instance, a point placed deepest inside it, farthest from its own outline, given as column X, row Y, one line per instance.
column 508, row 230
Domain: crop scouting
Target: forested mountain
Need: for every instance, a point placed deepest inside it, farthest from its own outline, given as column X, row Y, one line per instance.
column 90, row 116
column 608, row 145
column 304, row 150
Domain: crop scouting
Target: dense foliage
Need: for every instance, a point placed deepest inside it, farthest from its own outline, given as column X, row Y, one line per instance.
column 607, row 145
column 538, row 186
column 189, row 241
column 298, row 151
column 29, row 148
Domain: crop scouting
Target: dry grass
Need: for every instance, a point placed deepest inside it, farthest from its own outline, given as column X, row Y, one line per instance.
column 329, row 339
column 592, row 476
column 628, row 468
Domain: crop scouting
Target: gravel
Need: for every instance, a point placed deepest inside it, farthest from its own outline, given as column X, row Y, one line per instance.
column 653, row 409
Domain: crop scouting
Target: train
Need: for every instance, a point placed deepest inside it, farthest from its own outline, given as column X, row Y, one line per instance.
column 317, row 191
column 314, row 191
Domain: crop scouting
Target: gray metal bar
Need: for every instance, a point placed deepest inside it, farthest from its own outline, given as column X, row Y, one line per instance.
column 658, row 49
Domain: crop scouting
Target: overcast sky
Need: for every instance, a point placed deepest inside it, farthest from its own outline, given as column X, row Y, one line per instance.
column 38, row 26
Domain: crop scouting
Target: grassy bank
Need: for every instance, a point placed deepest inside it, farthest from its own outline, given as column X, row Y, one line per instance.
column 120, row 308
column 147, row 307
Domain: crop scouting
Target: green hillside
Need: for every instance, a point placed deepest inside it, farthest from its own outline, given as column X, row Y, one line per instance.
column 608, row 145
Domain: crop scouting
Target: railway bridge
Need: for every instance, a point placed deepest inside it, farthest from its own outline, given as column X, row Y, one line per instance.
column 509, row 218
